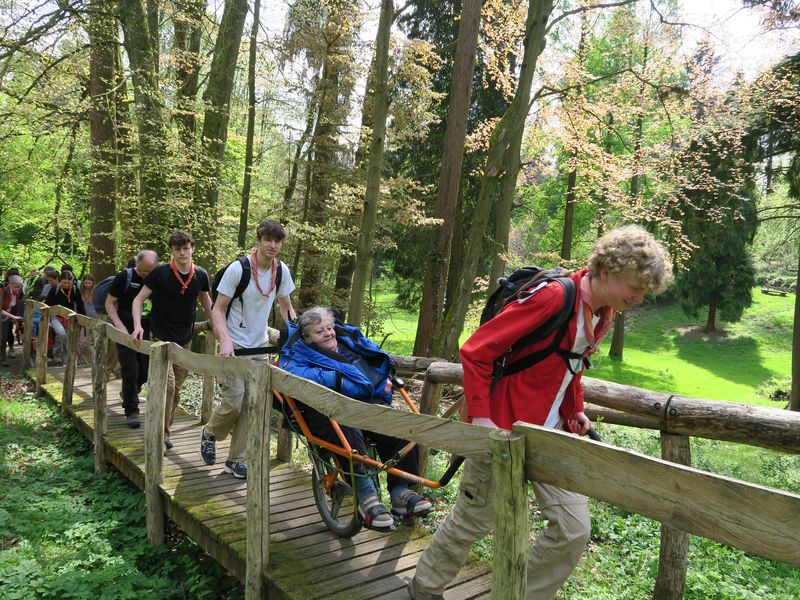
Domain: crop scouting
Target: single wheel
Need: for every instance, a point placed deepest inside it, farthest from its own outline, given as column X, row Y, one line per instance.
column 334, row 498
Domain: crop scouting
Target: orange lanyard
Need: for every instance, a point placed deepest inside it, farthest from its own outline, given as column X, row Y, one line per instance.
column 184, row 284
column 254, row 269
column 606, row 317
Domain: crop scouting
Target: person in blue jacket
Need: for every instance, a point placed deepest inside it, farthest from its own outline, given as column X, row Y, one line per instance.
column 341, row 358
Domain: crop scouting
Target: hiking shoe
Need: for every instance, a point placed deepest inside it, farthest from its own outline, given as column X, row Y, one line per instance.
column 408, row 504
column 417, row 594
column 167, row 444
column 208, row 447
column 374, row 515
column 132, row 420
column 235, row 468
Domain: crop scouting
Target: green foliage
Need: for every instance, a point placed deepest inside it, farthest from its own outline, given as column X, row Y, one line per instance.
column 70, row 534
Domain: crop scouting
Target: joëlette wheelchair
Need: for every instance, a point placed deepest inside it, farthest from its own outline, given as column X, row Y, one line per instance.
column 332, row 476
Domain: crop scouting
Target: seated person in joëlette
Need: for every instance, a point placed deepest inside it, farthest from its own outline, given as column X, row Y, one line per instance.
column 327, row 352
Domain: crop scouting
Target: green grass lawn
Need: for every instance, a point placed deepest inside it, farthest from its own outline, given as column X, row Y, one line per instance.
column 666, row 351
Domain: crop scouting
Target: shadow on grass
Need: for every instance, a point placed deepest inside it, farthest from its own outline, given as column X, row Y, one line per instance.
column 620, row 372
column 736, row 359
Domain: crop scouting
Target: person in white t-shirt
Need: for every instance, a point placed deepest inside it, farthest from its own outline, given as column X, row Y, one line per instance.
column 241, row 326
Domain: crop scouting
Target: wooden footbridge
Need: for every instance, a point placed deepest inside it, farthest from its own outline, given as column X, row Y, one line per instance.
column 268, row 533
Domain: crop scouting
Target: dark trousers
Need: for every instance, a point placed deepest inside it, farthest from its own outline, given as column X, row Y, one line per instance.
column 386, row 445
column 133, row 369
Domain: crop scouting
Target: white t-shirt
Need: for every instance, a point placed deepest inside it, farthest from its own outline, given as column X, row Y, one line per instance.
column 554, row 420
column 249, row 330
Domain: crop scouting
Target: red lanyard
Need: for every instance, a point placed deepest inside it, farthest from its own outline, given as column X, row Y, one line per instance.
column 254, row 270
column 184, row 284
column 67, row 294
column 594, row 336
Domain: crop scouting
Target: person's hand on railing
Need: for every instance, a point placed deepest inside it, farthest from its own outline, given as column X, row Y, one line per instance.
column 226, row 347
column 579, row 424
column 388, row 387
column 137, row 334
column 484, row 422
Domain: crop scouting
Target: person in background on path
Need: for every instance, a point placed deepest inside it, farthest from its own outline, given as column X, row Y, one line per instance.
column 240, row 324
column 624, row 265
column 65, row 294
column 330, row 353
column 10, row 309
column 119, row 308
column 51, row 278
column 177, row 285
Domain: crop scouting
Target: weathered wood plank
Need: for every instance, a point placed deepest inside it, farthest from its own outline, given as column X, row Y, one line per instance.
column 207, row 403
column 259, row 400
column 41, row 348
column 27, row 335
column 510, row 515
column 458, row 438
column 673, row 554
column 154, row 439
column 216, row 366
column 99, row 387
column 73, row 331
column 125, row 339
column 751, row 517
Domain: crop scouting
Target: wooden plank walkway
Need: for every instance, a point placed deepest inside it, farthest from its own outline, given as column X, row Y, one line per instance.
column 307, row 561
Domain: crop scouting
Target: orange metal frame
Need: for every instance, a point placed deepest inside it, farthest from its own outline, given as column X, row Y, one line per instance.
column 345, row 451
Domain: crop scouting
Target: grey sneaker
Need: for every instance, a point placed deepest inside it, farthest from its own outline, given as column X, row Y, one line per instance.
column 417, row 594
column 208, row 447
column 408, row 504
column 237, row 469
column 132, row 420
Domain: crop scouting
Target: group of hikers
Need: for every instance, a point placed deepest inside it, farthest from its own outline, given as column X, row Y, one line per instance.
column 504, row 381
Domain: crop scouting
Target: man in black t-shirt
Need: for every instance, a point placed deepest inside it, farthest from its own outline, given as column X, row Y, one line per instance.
column 119, row 308
column 177, row 286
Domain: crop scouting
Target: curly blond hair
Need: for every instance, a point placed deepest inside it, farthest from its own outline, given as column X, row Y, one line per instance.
column 632, row 249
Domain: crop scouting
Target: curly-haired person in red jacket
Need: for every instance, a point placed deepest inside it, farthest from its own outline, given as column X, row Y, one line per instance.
column 624, row 265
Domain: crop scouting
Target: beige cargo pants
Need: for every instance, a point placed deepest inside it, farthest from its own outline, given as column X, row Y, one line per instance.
column 553, row 556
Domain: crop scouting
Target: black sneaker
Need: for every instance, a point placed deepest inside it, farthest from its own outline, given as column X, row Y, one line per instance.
column 167, row 443
column 132, row 420
column 237, row 469
column 208, row 447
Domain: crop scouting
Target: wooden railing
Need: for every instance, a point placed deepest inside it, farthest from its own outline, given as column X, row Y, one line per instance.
column 753, row 518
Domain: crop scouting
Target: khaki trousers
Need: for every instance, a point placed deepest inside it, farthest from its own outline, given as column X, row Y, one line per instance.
column 231, row 414
column 551, row 559
column 175, row 377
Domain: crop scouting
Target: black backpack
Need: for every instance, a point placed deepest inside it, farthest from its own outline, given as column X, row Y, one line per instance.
column 520, row 283
column 247, row 273
column 101, row 290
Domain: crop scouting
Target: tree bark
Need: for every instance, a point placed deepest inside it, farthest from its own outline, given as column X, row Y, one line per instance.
column 500, row 163
column 794, row 401
column 102, row 36
column 369, row 217
column 251, row 126
column 217, row 98
column 618, row 337
column 187, row 69
column 569, row 208
column 711, row 323
column 156, row 220
column 435, row 282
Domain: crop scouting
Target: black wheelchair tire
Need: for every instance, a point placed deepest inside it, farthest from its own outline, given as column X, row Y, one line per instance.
column 337, row 506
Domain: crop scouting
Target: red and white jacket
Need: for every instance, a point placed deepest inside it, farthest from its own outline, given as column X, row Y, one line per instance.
column 527, row 395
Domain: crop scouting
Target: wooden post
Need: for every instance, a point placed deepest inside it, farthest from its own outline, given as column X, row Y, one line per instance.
column 284, row 450
column 154, row 440
column 672, row 561
column 73, row 331
column 207, row 405
column 429, row 401
column 99, row 386
column 259, row 401
column 510, row 515
column 27, row 336
column 41, row 348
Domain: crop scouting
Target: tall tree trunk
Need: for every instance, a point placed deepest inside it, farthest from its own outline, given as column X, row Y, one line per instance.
column 102, row 36
column 501, row 163
column 251, row 126
column 369, row 216
column 288, row 193
column 156, row 219
column 794, row 402
column 711, row 323
column 59, row 244
column 435, row 282
column 127, row 193
column 187, row 71
column 217, row 98
column 569, row 208
column 456, row 251
column 618, row 339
